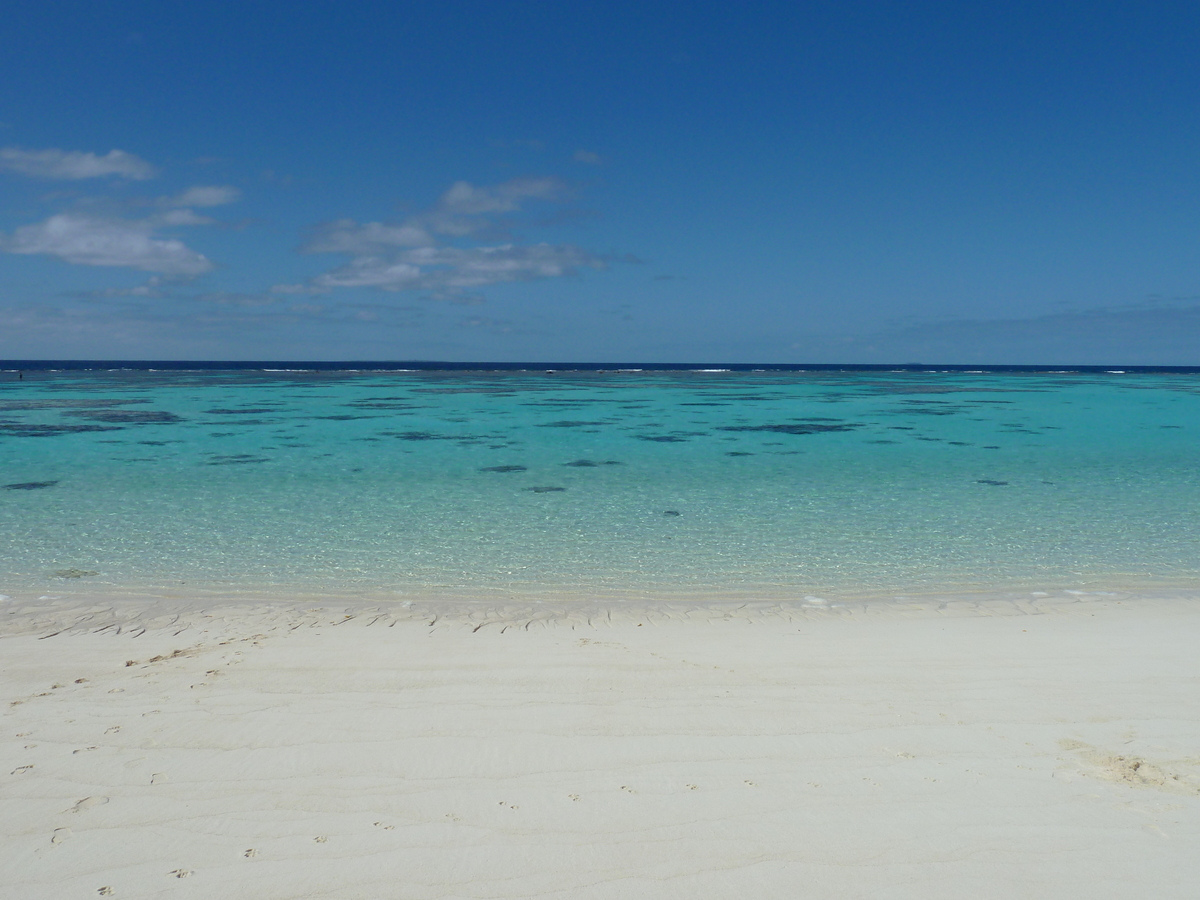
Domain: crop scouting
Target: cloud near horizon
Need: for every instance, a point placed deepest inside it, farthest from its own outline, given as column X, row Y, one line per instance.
column 416, row 254
column 74, row 165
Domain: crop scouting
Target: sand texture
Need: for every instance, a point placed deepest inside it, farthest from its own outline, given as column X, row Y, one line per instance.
column 1033, row 749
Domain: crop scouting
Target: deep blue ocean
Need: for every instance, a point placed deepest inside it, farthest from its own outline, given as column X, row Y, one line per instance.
column 415, row 481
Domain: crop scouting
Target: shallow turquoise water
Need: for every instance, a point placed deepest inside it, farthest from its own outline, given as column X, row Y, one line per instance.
column 639, row 483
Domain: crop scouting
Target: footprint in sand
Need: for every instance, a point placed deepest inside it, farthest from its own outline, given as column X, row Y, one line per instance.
column 105, row 891
column 180, row 873
column 320, row 839
column 251, row 853
column 60, row 835
column 87, row 803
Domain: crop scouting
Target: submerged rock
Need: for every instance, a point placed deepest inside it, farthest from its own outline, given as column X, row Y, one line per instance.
column 30, row 485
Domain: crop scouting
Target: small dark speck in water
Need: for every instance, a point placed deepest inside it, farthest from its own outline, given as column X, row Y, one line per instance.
column 30, row 485
column 672, row 512
column 73, row 573
column 502, row 469
column 738, row 453
column 545, row 490
column 235, row 459
column 990, row 481
column 990, row 447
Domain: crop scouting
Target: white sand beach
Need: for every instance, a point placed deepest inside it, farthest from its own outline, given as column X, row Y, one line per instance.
column 1046, row 747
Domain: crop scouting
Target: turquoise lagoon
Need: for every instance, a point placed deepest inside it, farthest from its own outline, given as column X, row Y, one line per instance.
column 601, row 484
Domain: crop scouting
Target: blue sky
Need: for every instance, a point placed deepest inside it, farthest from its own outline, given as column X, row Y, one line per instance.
column 767, row 182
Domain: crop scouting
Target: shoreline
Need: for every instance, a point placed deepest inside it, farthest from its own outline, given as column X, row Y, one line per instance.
column 119, row 610
column 1035, row 747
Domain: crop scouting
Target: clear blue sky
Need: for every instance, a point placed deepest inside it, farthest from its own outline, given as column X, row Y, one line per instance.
column 764, row 182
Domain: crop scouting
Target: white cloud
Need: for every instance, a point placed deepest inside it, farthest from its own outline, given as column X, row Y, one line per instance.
column 588, row 157
column 73, row 165
column 88, row 241
column 416, row 254
column 216, row 195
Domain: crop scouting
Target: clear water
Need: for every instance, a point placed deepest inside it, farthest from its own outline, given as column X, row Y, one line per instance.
column 603, row 484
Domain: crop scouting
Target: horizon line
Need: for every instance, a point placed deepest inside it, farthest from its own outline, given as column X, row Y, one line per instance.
column 24, row 365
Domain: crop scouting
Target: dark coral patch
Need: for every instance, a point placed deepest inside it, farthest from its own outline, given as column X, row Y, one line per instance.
column 14, row 405
column 798, row 428
column 17, row 429
column 244, row 411
column 127, row 416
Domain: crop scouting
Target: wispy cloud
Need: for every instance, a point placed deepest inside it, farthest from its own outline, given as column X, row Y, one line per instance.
column 216, row 195
column 587, row 157
column 74, row 165
column 91, row 241
column 417, row 254
column 454, row 268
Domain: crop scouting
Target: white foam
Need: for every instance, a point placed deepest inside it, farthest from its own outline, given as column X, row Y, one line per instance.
column 4, row 598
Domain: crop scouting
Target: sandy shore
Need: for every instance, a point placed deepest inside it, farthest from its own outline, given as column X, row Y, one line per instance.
column 1034, row 748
